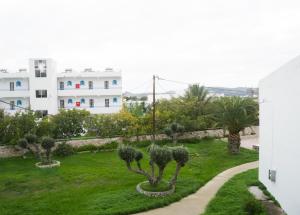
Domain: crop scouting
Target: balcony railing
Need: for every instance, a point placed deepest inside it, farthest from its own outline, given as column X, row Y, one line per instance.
column 16, row 89
column 87, row 88
column 87, row 106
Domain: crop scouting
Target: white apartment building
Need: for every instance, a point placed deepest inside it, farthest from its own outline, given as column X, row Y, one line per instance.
column 42, row 88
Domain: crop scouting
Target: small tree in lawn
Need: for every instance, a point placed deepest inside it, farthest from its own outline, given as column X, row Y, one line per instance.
column 173, row 131
column 47, row 144
column 159, row 157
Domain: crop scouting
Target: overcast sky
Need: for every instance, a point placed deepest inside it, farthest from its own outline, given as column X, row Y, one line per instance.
column 216, row 43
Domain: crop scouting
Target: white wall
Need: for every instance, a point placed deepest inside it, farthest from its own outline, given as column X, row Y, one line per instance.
column 48, row 83
column 98, row 82
column 5, row 84
column 279, row 134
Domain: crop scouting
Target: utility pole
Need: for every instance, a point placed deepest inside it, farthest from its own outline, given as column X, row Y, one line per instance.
column 153, row 113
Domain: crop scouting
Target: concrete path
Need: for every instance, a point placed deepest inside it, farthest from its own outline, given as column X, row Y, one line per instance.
column 196, row 203
column 248, row 141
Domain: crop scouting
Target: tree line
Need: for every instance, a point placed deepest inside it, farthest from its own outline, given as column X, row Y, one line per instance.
column 195, row 110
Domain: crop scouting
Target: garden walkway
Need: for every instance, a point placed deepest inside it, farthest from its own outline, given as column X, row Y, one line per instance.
column 196, row 203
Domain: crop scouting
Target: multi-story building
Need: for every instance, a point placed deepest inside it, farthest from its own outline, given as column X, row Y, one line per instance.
column 41, row 88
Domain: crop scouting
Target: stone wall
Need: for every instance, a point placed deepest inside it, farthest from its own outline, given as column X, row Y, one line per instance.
column 9, row 151
column 218, row 133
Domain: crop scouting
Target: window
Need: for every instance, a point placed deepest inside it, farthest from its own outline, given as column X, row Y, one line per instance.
column 62, row 103
column 18, row 83
column 91, row 85
column 82, row 101
column 40, row 68
column 115, row 100
column 12, row 105
column 42, row 113
column 61, row 85
column 106, row 84
column 82, row 82
column 91, row 103
column 114, row 82
column 11, row 86
column 41, row 93
column 69, row 83
column 70, row 101
column 106, row 102
column 19, row 102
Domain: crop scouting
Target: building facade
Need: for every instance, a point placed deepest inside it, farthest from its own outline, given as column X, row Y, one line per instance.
column 279, row 153
column 41, row 88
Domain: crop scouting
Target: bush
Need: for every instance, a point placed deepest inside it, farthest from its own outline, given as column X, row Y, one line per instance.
column 23, row 143
column 63, row 150
column 109, row 146
column 31, row 138
column 253, row 207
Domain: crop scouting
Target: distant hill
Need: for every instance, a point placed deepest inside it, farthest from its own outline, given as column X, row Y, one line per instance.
column 217, row 91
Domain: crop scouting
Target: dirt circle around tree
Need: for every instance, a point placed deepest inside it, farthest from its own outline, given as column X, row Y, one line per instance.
column 44, row 166
column 154, row 193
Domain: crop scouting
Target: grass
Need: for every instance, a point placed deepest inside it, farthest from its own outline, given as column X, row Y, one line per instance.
column 234, row 196
column 99, row 183
column 162, row 186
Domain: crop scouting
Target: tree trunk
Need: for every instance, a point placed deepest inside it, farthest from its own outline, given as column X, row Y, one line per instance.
column 174, row 138
column 160, row 175
column 234, row 142
column 174, row 179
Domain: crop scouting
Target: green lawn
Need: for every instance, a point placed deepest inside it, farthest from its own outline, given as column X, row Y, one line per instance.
column 99, row 183
column 234, row 195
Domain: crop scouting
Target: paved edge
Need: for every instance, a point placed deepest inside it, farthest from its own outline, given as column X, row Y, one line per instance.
column 196, row 203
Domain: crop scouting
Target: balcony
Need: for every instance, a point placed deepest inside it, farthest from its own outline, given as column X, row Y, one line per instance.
column 89, row 92
column 6, row 93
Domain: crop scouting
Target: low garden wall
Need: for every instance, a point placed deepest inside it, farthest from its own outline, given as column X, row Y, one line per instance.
column 10, row 151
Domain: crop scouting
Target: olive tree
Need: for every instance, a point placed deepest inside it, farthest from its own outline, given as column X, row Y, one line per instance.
column 173, row 131
column 48, row 143
column 160, row 157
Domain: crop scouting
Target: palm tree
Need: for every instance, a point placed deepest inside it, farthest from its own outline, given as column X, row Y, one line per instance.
column 235, row 114
column 198, row 92
column 196, row 96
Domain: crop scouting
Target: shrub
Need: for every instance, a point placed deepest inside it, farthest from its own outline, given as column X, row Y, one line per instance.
column 159, row 156
column 23, row 143
column 63, row 150
column 33, row 140
column 109, row 146
column 88, row 147
column 253, row 207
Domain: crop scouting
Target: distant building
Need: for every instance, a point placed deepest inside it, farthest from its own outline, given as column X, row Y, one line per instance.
column 41, row 88
column 279, row 156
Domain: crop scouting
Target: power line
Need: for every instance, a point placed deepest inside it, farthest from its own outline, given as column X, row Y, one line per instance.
column 14, row 105
column 177, row 82
column 145, row 83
